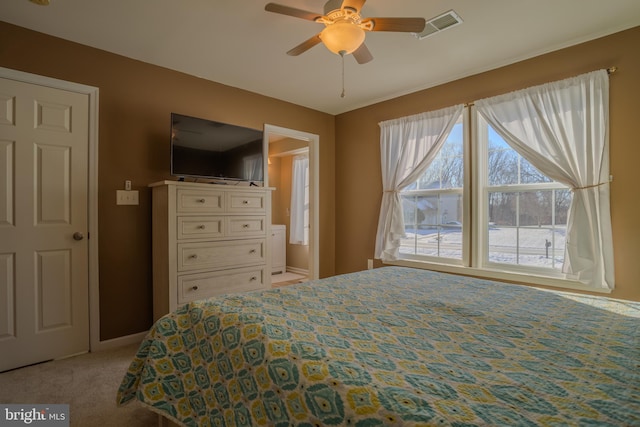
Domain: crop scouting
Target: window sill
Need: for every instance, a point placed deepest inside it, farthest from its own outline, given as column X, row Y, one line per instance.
column 482, row 273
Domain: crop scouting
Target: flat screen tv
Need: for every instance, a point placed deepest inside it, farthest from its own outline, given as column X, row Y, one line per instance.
column 203, row 148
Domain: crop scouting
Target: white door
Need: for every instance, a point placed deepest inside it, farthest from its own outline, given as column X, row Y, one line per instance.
column 44, row 295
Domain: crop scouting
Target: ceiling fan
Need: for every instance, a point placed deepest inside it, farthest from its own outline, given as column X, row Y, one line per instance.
column 344, row 31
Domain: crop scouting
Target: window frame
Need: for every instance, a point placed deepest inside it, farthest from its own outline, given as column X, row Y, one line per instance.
column 466, row 201
column 480, row 194
column 475, row 214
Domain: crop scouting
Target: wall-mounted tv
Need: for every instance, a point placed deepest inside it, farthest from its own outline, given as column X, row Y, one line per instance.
column 203, row 148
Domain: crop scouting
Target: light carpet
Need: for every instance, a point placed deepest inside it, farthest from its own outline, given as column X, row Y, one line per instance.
column 87, row 383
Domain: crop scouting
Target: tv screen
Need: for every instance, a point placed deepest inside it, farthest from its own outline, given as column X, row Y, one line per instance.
column 203, row 148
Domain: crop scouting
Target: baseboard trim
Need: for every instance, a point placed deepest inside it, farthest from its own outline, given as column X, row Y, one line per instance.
column 120, row 342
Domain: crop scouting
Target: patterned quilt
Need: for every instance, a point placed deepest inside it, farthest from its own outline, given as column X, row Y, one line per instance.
column 393, row 346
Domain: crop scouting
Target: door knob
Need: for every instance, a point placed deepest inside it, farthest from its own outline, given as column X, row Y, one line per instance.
column 78, row 236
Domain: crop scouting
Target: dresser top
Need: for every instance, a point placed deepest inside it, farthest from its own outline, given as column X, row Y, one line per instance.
column 232, row 185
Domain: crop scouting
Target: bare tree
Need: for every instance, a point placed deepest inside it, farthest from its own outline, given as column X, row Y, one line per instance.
column 505, row 166
column 502, row 166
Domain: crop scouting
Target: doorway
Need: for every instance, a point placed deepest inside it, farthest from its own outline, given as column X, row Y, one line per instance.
column 283, row 144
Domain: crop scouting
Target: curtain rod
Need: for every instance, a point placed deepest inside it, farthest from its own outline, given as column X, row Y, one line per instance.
column 610, row 71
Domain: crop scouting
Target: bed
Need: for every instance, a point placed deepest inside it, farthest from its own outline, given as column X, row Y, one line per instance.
column 393, row 346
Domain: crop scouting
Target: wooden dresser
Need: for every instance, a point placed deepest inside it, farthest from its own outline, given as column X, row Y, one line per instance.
column 208, row 240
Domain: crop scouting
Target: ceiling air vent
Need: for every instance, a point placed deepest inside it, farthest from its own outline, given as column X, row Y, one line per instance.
column 439, row 23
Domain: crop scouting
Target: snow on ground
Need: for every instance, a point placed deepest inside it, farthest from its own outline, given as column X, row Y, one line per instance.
column 524, row 246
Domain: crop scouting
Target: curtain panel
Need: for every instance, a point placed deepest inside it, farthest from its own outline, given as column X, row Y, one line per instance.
column 562, row 129
column 299, row 225
column 253, row 168
column 408, row 145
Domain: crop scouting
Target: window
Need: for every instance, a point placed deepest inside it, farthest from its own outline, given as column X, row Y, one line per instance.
column 522, row 212
column 433, row 205
column 471, row 199
column 408, row 147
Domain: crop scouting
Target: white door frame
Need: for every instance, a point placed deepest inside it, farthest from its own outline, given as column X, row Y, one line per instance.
column 313, row 142
column 92, row 92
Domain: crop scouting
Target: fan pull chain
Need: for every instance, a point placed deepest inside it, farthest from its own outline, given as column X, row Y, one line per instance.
column 342, row 52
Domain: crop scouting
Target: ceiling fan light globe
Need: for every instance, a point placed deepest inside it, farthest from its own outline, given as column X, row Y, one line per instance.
column 342, row 36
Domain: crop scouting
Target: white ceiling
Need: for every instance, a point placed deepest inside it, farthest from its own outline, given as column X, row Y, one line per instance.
column 237, row 43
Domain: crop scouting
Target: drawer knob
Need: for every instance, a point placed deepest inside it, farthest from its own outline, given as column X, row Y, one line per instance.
column 201, row 227
column 245, row 225
column 194, row 288
column 245, row 202
column 252, row 251
column 253, row 279
column 200, row 200
column 193, row 256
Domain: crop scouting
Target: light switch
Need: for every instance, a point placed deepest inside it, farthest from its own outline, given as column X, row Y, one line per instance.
column 124, row 197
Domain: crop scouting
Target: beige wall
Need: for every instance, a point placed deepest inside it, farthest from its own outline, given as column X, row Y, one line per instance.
column 358, row 176
column 136, row 100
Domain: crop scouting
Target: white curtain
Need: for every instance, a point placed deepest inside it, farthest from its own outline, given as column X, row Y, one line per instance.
column 408, row 145
column 562, row 129
column 299, row 226
column 253, row 168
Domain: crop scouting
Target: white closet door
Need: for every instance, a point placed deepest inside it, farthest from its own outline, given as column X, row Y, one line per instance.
column 44, row 296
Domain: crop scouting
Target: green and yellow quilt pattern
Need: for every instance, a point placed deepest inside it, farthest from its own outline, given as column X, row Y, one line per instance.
column 393, row 346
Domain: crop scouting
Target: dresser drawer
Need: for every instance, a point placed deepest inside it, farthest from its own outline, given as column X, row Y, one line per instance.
column 239, row 201
column 200, row 227
column 199, row 201
column 198, row 256
column 238, row 226
column 192, row 287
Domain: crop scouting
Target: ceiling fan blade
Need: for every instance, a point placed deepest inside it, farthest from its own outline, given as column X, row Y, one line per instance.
column 362, row 54
column 353, row 4
column 292, row 11
column 403, row 25
column 305, row 45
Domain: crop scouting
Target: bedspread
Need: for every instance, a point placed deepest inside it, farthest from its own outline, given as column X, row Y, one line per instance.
column 393, row 346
